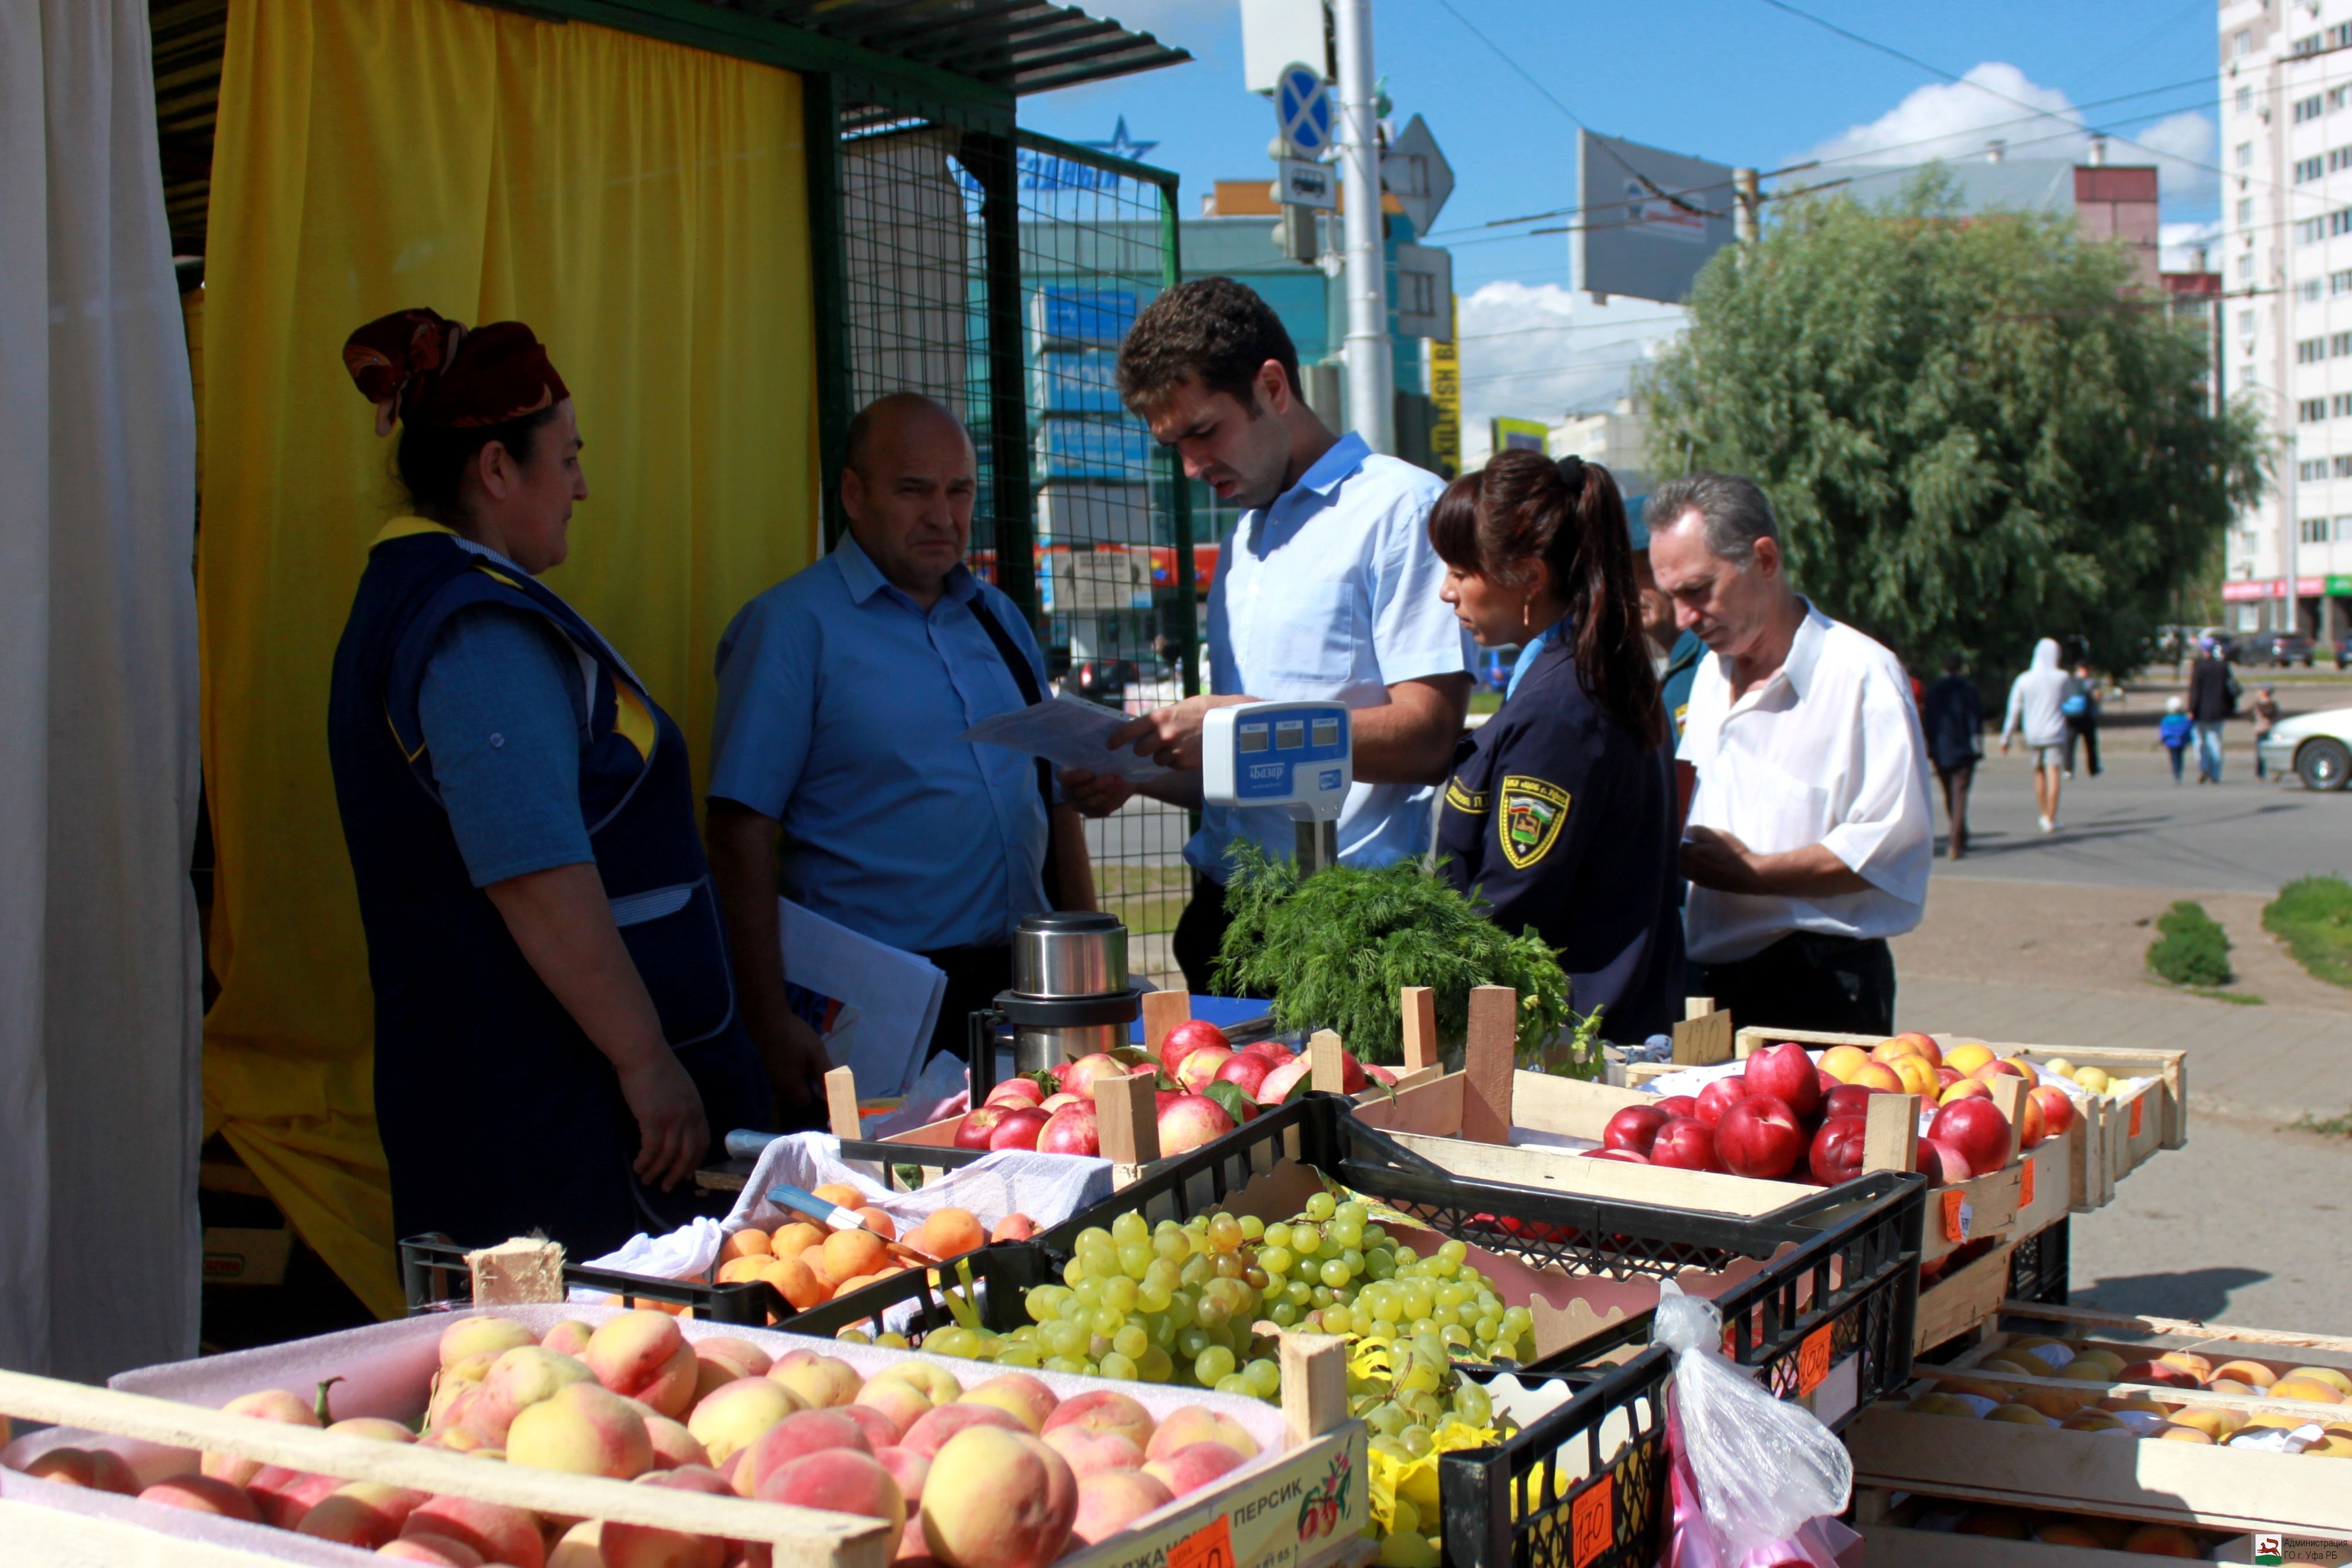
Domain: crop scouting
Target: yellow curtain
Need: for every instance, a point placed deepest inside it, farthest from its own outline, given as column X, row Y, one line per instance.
column 644, row 207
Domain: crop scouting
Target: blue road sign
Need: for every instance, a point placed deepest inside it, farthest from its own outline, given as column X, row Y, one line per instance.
column 1302, row 108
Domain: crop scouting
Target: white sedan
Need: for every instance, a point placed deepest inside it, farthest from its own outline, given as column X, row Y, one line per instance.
column 2316, row 745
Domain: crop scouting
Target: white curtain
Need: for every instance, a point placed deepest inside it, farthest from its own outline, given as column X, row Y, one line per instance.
column 100, row 1006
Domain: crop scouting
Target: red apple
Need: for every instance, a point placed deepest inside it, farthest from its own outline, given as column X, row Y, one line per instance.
column 1685, row 1143
column 1019, row 1129
column 1623, row 1157
column 1280, row 1083
column 1717, row 1098
column 1053, row 1103
column 1198, row 1067
column 1678, row 1105
column 1977, row 1130
column 1788, row 1075
column 1027, row 1090
column 1636, row 1128
column 1072, row 1130
column 1189, row 1037
column 1836, row 1155
column 1948, row 1166
column 978, row 1126
column 1189, row 1122
column 1760, row 1136
column 2057, row 1109
column 1847, row 1100
column 1274, row 1050
column 1243, row 1072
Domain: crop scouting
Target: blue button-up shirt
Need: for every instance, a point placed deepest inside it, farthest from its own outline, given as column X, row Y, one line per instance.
column 1331, row 593
column 840, row 700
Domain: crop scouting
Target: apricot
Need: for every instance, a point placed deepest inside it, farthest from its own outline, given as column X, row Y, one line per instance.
column 896, row 1399
column 2197, row 1366
column 1111, row 1501
column 500, row 1533
column 879, row 1223
column 650, row 1546
column 203, row 1494
column 841, row 1195
column 948, row 1233
column 2161, row 1540
column 792, row 1240
column 937, row 1382
column 492, row 1336
column 796, row 1281
column 585, row 1429
column 1026, row 1399
column 807, row 1432
column 365, row 1515
column 1193, row 1465
column 1193, row 1424
column 998, row 1498
column 840, row 1480
column 2093, row 1421
column 2284, row 1423
column 1997, row 1393
column 935, row 1430
column 2336, row 1377
column 569, row 1337
column 820, row 1381
column 1942, row 1405
column 435, row 1549
column 2172, row 1432
column 2023, row 1414
column 1841, row 1062
column 749, row 1242
column 743, row 1270
column 2251, row 1372
column 2054, row 1403
column 94, row 1470
column 732, row 1417
column 2214, row 1423
column 2296, row 1385
column 2332, row 1447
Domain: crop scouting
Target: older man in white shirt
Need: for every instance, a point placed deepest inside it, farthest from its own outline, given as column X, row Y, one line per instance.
column 1809, row 838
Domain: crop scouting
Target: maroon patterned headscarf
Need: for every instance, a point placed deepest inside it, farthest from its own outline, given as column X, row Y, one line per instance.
column 425, row 369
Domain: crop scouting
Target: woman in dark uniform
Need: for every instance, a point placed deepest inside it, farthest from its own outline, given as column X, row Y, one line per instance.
column 556, row 1041
column 1561, row 817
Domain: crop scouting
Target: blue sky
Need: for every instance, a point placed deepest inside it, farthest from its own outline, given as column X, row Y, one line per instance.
column 1737, row 81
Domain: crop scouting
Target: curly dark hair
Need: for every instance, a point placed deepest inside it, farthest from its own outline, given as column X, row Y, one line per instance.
column 1212, row 330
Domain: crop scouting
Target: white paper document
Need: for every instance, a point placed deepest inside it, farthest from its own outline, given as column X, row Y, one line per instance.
column 1068, row 732
column 873, row 1005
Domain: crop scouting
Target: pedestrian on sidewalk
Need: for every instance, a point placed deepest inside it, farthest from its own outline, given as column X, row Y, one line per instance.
column 2081, row 708
column 1953, row 720
column 2266, row 713
column 2174, row 731
column 2212, row 699
column 2036, row 700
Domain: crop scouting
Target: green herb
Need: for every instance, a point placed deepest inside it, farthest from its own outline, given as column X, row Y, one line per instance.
column 1333, row 949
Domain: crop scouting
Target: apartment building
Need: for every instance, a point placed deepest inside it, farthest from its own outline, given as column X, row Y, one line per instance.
column 2286, row 283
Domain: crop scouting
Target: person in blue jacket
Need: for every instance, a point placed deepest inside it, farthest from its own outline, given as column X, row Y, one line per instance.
column 1560, row 816
column 556, row 1038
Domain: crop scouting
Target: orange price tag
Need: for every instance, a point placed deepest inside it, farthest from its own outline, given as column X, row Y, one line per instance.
column 2025, row 1185
column 1591, row 1521
column 1209, row 1547
column 1812, row 1360
column 2140, row 1104
column 1957, row 1215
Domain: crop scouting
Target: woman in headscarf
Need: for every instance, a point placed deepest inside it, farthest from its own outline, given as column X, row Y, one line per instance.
column 1560, row 816
column 556, row 1042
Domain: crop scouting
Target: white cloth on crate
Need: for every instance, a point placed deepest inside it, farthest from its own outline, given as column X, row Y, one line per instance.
column 99, row 1011
column 2035, row 699
column 1826, row 751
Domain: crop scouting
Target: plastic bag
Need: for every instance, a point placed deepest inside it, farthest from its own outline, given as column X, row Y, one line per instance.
column 1764, row 1466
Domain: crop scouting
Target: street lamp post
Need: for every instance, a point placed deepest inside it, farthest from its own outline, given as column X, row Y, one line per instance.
column 1371, row 378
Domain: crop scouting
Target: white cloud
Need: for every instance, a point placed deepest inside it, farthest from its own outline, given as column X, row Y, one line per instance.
column 1539, row 350
column 1997, row 102
column 2177, row 244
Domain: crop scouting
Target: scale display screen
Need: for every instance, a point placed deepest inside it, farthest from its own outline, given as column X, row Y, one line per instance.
column 1293, row 754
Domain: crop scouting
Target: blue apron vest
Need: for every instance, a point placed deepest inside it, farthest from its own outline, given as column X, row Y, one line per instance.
column 498, row 1114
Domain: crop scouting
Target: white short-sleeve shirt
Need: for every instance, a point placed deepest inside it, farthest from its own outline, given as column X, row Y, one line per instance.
column 1827, row 751
column 1331, row 593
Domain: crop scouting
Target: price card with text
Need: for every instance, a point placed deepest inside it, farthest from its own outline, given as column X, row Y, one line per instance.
column 1209, row 1547
column 1592, row 1521
column 2140, row 1105
column 1957, row 1213
column 1812, row 1360
column 2025, row 1185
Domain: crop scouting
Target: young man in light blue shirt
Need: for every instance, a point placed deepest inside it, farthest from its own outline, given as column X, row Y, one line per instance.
column 841, row 692
column 1327, row 588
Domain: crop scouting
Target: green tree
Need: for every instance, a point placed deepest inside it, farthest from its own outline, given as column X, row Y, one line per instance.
column 1975, row 432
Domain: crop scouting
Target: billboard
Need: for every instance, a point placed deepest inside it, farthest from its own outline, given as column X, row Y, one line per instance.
column 1650, row 219
column 1520, row 435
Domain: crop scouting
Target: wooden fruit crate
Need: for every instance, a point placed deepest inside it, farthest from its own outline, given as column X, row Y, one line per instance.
column 2187, row 1484
column 1892, row 1538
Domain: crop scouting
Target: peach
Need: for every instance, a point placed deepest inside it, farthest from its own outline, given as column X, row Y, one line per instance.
column 452, row 1384
column 482, row 1335
column 284, row 1496
column 501, row 1535
column 365, row 1515
column 908, row 1468
column 792, row 1240
column 808, row 1432
column 2214, row 1423
column 749, row 1242
column 274, row 1405
column 2054, row 1403
column 2171, row 1432
column 2023, row 1414
column 1841, row 1062
column 519, row 1379
column 932, row 1432
column 2197, row 1366
column 2251, row 1372
column 1965, row 1089
column 819, row 1381
column 1192, row 1425
column 841, row 1480
column 1111, row 1501
column 1193, row 1465
column 1104, row 1410
column 96, row 1469
column 1967, row 1055
column 1088, row 1452
column 569, row 1337
column 651, row 1546
column 936, row 1384
column 585, row 1429
column 2161, row 1540
column 674, row 1445
column 2336, row 1377
column 1879, row 1076
column 946, row 1232
column 796, row 1281
column 901, row 1401
column 998, row 1498
column 2296, row 1385
column 733, row 1416
column 1013, row 1227
column 203, row 1494
column 1027, row 1400
column 437, row 1549
column 1920, row 1045
column 747, row 1359
column 579, row 1547
column 1917, row 1077
column 2093, row 1421
column 375, row 1428
column 642, row 1355
column 849, row 1253
column 881, row 1432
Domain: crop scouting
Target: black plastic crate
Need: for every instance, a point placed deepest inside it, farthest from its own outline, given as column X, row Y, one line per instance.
column 2039, row 1267
column 433, row 1273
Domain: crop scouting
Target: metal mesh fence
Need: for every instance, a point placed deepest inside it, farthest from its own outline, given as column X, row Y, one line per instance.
column 998, row 274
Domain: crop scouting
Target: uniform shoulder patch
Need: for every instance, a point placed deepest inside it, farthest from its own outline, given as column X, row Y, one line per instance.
column 1533, row 813
column 1470, row 802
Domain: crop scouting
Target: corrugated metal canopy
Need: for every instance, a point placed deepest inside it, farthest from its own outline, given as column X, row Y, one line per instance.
column 1010, row 46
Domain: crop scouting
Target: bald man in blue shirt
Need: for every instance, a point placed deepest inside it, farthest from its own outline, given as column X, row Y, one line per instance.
column 836, row 775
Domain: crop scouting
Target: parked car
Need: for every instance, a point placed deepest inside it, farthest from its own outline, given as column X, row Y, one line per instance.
column 2280, row 648
column 2317, row 747
column 2343, row 651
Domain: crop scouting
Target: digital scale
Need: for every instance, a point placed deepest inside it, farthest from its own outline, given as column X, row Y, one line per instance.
column 1299, row 756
